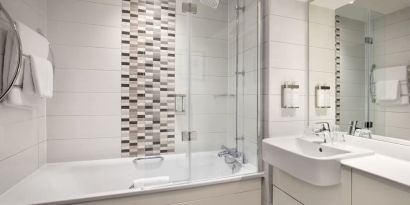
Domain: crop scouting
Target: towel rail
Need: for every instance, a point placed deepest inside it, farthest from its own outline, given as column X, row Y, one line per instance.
column 372, row 85
column 161, row 158
column 20, row 54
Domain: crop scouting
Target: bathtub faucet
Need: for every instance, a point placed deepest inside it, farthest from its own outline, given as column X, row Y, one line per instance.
column 229, row 151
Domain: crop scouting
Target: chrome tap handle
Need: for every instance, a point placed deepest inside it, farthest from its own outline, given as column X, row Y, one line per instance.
column 325, row 126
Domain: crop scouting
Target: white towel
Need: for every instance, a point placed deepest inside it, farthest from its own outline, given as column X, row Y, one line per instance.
column 146, row 182
column 28, row 83
column 32, row 42
column 388, row 90
column 42, row 73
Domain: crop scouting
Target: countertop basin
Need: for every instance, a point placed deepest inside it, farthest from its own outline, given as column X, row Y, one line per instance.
column 309, row 159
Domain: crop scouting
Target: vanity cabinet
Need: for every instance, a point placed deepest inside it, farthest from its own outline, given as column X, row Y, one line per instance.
column 356, row 188
column 281, row 198
column 372, row 190
column 308, row 194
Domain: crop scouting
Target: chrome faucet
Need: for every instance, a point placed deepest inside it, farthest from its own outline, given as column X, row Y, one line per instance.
column 352, row 127
column 229, row 151
column 361, row 132
column 232, row 157
column 325, row 129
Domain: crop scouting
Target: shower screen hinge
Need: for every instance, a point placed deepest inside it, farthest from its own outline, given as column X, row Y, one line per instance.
column 368, row 40
column 189, row 136
column 188, row 7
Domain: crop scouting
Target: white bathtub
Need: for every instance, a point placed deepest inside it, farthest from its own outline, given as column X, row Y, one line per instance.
column 65, row 182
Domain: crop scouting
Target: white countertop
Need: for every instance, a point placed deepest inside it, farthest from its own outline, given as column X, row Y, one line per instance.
column 383, row 166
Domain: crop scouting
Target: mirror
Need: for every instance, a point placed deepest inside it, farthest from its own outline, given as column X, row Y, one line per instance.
column 10, row 58
column 361, row 50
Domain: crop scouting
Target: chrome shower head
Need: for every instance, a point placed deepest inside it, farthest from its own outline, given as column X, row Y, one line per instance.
column 211, row 3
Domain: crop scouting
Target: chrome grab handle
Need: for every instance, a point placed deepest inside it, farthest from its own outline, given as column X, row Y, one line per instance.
column 147, row 158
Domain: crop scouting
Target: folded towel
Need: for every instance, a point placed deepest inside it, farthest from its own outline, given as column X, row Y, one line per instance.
column 387, row 90
column 28, row 83
column 42, row 73
column 32, row 42
column 146, row 182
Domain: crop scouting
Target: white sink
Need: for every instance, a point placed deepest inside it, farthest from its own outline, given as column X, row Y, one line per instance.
column 308, row 159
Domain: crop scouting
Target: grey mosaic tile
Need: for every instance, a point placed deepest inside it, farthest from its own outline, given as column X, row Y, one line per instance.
column 148, row 77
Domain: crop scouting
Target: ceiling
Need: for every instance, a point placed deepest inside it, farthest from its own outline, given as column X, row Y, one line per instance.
column 381, row 6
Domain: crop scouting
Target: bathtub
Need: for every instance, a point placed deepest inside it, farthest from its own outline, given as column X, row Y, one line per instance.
column 69, row 182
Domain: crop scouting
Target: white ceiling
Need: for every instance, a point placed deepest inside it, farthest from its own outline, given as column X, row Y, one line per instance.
column 331, row 4
column 381, row 6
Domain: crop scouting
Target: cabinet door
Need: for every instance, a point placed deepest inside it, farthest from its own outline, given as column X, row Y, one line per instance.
column 371, row 190
column 309, row 194
column 281, row 198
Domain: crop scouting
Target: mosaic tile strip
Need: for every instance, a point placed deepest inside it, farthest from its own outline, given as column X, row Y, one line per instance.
column 148, row 77
column 337, row 60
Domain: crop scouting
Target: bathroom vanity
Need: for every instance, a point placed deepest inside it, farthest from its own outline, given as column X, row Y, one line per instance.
column 371, row 172
column 359, row 51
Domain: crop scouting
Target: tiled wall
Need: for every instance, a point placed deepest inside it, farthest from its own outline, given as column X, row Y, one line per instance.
column 84, row 114
column 352, row 71
column 286, row 53
column 392, row 48
column 322, row 66
column 23, row 131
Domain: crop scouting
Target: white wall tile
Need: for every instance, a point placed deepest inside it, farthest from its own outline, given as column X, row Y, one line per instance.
column 321, row 36
column 15, row 168
column 83, row 149
column 87, row 57
column 108, row 2
column 83, row 81
column 289, row 8
column 287, row 30
column 84, row 35
column 84, row 12
column 321, row 15
column 73, row 127
column 17, row 137
column 84, row 104
column 321, row 59
column 282, row 55
column 285, row 128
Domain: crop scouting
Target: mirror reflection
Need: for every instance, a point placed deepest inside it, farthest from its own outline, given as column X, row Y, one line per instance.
column 9, row 55
column 361, row 50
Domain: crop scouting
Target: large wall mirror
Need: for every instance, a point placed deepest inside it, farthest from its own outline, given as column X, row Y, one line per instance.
column 359, row 57
column 10, row 54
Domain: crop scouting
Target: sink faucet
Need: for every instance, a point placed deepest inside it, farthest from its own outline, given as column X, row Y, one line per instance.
column 354, row 130
column 352, row 127
column 325, row 129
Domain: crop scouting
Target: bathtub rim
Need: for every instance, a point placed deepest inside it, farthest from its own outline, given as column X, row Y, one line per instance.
column 172, row 187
